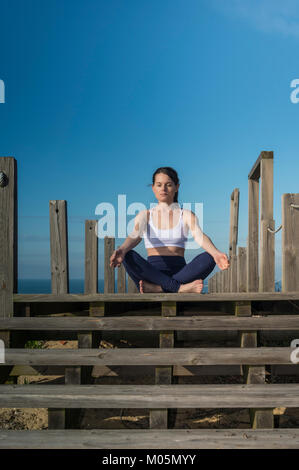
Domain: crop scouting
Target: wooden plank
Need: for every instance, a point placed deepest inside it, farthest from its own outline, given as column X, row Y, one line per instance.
column 253, row 236
column 151, row 356
column 8, row 236
column 164, row 375
column 91, row 257
column 8, row 247
column 233, row 273
column 59, row 247
column 109, row 274
column 267, row 256
column 121, row 279
column 255, row 170
column 290, row 242
column 255, row 375
column 234, row 218
column 156, row 297
column 203, row 322
column 242, row 269
column 151, row 439
column 150, row 396
column 59, row 277
column 267, row 253
column 132, row 288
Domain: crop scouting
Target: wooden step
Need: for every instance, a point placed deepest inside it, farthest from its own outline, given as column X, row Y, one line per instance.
column 153, row 323
column 150, row 356
column 151, row 439
column 157, row 297
column 150, row 396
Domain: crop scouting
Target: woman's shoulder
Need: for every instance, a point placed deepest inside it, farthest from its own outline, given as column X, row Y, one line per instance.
column 143, row 214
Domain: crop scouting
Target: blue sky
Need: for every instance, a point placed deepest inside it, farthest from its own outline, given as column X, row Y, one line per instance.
column 98, row 94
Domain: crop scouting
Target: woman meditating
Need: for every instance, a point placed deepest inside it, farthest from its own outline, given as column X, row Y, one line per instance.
column 164, row 229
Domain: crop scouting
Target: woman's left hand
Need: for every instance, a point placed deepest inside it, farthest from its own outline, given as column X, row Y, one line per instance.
column 222, row 260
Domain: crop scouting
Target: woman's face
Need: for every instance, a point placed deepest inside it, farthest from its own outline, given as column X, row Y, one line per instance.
column 164, row 188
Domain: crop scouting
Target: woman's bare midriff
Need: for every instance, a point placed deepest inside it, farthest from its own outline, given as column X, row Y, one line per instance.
column 166, row 251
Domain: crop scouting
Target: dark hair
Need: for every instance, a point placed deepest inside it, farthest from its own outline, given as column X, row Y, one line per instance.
column 167, row 170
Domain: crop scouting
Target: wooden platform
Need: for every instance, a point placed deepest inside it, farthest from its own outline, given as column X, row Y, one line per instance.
column 151, row 439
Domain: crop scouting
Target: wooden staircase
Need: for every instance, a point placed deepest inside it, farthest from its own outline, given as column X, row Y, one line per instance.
column 243, row 313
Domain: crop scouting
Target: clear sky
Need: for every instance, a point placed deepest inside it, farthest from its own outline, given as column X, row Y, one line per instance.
column 98, row 94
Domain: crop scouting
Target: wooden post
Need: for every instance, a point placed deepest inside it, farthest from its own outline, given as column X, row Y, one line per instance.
column 164, row 374
column 234, row 219
column 253, row 236
column 290, row 242
column 267, row 239
column 241, row 270
column 8, row 247
column 59, row 279
column 233, row 273
column 109, row 275
column 132, row 288
column 260, row 279
column 218, row 281
column 233, row 240
column 260, row 418
column 121, row 279
column 91, row 257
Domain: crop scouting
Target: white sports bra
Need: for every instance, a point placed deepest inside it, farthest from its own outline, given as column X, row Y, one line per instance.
column 176, row 236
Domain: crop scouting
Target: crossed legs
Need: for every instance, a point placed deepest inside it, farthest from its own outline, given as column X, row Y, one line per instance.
column 148, row 278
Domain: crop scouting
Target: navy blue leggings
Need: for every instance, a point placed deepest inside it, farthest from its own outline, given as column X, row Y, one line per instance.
column 167, row 271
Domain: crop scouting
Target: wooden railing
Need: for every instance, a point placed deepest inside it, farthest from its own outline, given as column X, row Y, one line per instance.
column 166, row 321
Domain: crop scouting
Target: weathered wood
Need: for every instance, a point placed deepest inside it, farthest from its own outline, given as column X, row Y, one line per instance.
column 150, row 396
column 59, row 247
column 121, row 279
column 290, row 242
column 234, row 218
column 151, row 439
column 157, row 297
column 233, row 273
column 163, row 375
column 167, row 355
column 243, row 308
column 8, row 247
column 132, row 288
column 155, row 323
column 59, row 277
column 218, row 282
column 8, row 236
column 254, row 375
column 242, row 269
column 267, row 254
column 109, row 274
column 253, row 236
column 91, row 257
column 255, row 171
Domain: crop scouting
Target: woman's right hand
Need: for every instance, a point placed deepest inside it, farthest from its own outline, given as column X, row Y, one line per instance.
column 117, row 258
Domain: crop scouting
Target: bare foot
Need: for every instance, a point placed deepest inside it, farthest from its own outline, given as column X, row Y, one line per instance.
column 194, row 286
column 145, row 286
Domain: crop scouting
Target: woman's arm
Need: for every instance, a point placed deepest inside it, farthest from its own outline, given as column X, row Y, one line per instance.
column 205, row 242
column 135, row 236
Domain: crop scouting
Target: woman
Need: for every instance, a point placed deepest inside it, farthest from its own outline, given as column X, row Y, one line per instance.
column 164, row 230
